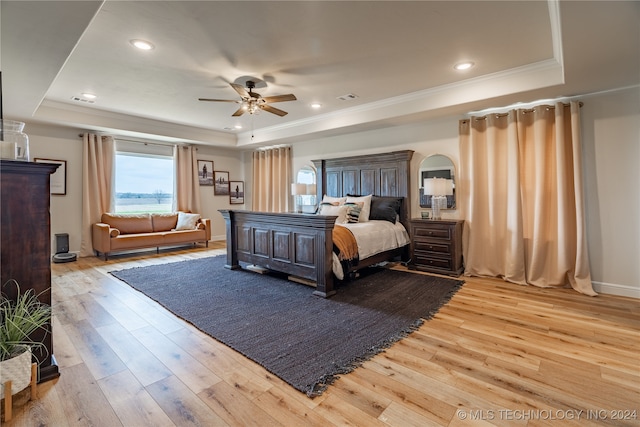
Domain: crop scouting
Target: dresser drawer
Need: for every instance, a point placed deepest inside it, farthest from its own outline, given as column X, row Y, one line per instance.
column 432, row 246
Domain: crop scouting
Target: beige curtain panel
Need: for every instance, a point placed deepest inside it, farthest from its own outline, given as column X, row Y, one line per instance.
column 272, row 177
column 521, row 177
column 186, row 194
column 98, row 160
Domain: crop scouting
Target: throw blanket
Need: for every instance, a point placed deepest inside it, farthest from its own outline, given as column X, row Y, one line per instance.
column 344, row 244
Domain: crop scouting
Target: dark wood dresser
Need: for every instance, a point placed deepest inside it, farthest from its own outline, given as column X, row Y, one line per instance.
column 436, row 246
column 25, row 251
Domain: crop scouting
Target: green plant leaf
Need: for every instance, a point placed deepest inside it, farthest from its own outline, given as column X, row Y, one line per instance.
column 19, row 319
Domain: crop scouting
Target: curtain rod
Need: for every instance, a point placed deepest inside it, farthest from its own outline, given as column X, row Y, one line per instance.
column 162, row 144
column 524, row 110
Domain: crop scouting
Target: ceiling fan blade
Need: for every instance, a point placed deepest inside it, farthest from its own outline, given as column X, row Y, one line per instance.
column 280, row 98
column 240, row 111
column 273, row 110
column 241, row 90
column 218, row 100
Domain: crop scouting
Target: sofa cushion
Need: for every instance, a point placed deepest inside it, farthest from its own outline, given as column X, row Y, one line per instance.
column 135, row 241
column 164, row 222
column 183, row 236
column 129, row 223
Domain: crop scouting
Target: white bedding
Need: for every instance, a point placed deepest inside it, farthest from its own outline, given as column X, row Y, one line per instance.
column 373, row 237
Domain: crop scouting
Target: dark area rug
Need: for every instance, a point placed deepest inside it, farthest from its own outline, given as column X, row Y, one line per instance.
column 303, row 339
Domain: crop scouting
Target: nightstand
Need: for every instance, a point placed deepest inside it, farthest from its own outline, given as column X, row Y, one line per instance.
column 436, row 246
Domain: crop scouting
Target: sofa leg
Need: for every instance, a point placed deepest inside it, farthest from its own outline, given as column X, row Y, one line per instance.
column 206, row 244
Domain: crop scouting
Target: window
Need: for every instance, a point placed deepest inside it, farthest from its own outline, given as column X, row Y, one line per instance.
column 144, row 180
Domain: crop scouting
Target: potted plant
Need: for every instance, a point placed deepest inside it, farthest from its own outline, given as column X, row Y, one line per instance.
column 19, row 319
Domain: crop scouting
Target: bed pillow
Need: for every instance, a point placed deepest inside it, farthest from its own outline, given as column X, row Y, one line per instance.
column 385, row 208
column 353, row 211
column 187, row 221
column 366, row 205
column 339, row 211
column 334, row 200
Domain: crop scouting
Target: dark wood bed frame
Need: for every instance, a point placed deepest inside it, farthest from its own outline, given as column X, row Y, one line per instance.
column 301, row 245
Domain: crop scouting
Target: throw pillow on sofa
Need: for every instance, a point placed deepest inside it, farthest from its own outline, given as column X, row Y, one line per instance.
column 187, row 221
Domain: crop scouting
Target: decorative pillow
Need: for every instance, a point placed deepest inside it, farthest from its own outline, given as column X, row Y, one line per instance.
column 339, row 211
column 114, row 232
column 326, row 204
column 385, row 208
column 187, row 221
column 334, row 200
column 353, row 211
column 366, row 207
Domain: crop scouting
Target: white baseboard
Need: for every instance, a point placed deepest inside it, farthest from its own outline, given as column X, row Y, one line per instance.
column 615, row 289
column 217, row 238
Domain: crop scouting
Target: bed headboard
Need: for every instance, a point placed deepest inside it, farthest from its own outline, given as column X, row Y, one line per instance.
column 384, row 174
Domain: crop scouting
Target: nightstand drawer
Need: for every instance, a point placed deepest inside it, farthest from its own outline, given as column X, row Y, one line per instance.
column 433, row 231
column 432, row 262
column 432, row 246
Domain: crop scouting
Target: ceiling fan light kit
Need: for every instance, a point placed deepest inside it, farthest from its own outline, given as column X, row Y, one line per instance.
column 252, row 102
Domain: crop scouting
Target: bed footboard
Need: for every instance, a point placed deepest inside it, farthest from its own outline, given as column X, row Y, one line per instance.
column 296, row 244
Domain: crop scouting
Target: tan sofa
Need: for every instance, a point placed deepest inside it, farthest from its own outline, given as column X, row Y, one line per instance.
column 119, row 232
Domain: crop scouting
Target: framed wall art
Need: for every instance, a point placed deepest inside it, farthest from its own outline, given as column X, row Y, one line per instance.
column 221, row 183
column 58, row 178
column 205, row 172
column 236, row 192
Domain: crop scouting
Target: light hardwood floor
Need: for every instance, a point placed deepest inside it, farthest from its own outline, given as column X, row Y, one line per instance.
column 496, row 354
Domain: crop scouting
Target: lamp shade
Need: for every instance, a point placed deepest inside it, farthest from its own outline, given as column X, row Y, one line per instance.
column 435, row 186
column 448, row 187
column 429, row 186
column 298, row 189
column 311, row 189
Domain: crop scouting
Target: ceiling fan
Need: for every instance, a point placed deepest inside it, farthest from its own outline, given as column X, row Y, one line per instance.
column 252, row 102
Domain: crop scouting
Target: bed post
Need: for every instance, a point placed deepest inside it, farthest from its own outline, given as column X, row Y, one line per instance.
column 232, row 242
column 324, row 278
column 320, row 180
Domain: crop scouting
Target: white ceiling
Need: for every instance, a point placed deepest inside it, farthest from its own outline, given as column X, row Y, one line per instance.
column 396, row 56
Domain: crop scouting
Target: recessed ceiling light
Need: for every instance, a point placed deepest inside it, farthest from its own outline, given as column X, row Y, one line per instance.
column 89, row 95
column 316, row 105
column 238, row 126
column 463, row 66
column 142, row 44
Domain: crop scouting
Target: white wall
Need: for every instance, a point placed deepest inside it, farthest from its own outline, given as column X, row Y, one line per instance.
column 611, row 152
column 223, row 160
column 51, row 142
column 60, row 143
column 611, row 159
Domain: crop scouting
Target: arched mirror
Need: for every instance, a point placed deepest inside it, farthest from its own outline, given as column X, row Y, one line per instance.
column 306, row 189
column 437, row 166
